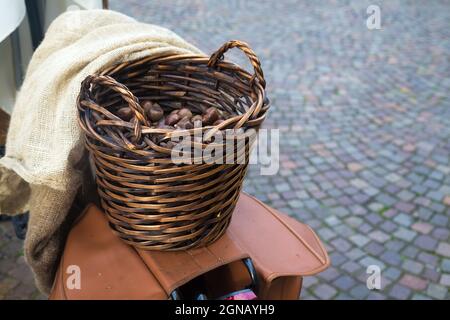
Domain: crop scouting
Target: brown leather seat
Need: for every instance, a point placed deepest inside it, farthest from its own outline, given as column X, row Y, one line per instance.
column 283, row 250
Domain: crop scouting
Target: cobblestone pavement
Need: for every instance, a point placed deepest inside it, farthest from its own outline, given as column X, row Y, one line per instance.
column 364, row 119
column 16, row 280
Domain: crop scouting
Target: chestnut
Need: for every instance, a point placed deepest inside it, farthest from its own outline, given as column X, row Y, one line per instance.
column 125, row 113
column 185, row 112
column 172, row 119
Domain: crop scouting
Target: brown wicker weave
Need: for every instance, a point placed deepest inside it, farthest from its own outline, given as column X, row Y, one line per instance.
column 151, row 202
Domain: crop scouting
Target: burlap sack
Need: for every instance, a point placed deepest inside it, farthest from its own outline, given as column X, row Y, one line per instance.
column 44, row 144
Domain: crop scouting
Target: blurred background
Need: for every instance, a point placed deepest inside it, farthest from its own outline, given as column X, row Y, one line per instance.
column 364, row 119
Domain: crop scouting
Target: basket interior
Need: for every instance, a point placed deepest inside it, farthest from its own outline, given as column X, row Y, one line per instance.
column 182, row 83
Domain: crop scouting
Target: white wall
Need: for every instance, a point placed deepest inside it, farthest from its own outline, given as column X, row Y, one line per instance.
column 51, row 9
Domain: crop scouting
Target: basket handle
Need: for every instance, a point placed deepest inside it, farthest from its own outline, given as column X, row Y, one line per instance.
column 126, row 95
column 254, row 60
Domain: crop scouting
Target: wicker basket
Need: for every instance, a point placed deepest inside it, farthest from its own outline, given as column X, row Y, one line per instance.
column 152, row 203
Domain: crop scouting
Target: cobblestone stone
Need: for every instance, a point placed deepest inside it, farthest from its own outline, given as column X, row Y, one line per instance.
column 359, row 292
column 391, row 258
column 359, row 240
column 379, row 236
column 443, row 249
column 422, row 227
column 399, row 292
column 445, row 266
column 445, row 280
column 374, row 248
column 405, row 234
column 441, row 233
column 425, row 242
column 392, row 273
column 412, row 266
column 431, row 274
column 324, row 291
column 437, row 291
column 403, row 219
column 344, row 283
column 414, row 282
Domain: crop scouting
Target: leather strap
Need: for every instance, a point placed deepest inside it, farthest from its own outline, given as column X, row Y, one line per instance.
column 173, row 269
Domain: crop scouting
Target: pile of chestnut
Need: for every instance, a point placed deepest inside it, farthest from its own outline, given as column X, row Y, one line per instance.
column 181, row 118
